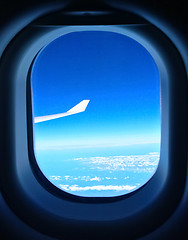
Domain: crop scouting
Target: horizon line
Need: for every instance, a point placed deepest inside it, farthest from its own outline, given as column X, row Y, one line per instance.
column 61, row 147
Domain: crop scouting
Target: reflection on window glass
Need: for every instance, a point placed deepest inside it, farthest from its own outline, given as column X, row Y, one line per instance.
column 96, row 107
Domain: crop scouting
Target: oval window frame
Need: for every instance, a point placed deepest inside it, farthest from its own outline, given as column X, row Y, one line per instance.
column 21, row 175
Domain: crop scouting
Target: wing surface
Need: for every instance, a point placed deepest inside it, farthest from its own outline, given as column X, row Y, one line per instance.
column 80, row 107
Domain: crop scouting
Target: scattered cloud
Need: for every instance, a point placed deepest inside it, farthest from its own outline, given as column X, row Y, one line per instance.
column 136, row 163
column 84, row 178
column 53, row 178
column 110, row 166
column 67, row 177
column 64, row 187
column 95, row 179
column 71, row 178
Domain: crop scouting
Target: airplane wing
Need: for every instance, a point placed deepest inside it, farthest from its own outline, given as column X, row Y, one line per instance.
column 80, row 107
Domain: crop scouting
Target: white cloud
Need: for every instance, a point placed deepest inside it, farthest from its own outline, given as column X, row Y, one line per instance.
column 74, row 188
column 55, row 178
column 85, row 178
column 71, row 178
column 67, row 177
column 64, row 187
column 138, row 163
column 95, row 179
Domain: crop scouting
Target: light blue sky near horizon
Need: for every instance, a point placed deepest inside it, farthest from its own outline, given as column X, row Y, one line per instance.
column 113, row 71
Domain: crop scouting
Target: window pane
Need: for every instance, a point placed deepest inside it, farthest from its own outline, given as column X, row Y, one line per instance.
column 96, row 107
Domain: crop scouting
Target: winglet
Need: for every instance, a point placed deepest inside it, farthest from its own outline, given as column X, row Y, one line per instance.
column 80, row 107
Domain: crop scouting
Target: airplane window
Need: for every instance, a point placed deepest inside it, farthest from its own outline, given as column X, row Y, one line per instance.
column 96, row 113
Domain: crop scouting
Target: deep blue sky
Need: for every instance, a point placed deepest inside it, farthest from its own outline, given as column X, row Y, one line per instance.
column 113, row 71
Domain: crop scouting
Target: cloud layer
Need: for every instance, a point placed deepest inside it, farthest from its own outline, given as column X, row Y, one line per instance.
column 136, row 163
column 113, row 173
column 74, row 188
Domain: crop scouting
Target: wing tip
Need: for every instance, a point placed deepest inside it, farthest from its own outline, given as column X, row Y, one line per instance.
column 80, row 107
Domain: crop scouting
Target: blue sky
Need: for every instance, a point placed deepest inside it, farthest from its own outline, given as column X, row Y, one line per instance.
column 113, row 71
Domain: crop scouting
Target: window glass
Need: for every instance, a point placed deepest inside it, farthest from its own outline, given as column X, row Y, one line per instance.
column 96, row 112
